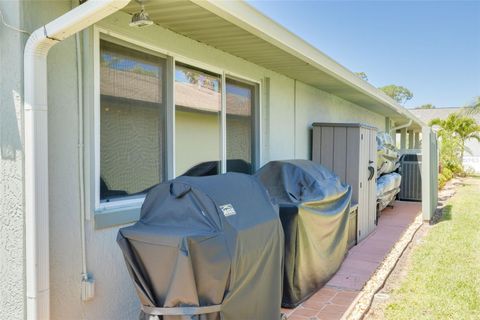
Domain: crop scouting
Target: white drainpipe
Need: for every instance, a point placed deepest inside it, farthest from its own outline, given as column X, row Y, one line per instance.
column 36, row 144
column 406, row 125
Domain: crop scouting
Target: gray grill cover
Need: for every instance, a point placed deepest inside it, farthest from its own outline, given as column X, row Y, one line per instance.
column 387, row 154
column 387, row 188
column 206, row 241
column 314, row 208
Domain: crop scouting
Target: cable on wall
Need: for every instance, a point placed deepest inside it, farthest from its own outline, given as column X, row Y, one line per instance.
column 86, row 278
column 9, row 26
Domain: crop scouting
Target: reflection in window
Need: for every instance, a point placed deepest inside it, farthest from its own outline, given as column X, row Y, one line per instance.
column 197, row 120
column 240, row 102
column 131, row 121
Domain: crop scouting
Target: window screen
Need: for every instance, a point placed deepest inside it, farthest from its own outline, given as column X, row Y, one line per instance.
column 131, row 121
column 240, row 108
column 197, row 121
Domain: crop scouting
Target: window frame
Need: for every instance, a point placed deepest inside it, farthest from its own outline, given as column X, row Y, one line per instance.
column 133, row 201
column 123, row 211
column 222, row 111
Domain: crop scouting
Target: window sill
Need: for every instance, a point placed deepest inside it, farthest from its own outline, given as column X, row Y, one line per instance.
column 112, row 217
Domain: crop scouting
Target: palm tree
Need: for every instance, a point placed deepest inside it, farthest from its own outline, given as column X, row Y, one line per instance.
column 459, row 126
column 474, row 107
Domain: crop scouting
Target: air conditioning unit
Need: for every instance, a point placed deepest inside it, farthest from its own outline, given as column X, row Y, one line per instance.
column 411, row 171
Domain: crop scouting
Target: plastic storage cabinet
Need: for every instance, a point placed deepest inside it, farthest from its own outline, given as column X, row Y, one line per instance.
column 352, row 226
column 350, row 150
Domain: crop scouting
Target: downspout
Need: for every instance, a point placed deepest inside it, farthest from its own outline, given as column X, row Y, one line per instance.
column 36, row 144
column 393, row 131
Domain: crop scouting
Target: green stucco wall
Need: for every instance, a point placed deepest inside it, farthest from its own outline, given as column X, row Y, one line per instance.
column 314, row 105
column 12, row 260
column 197, row 139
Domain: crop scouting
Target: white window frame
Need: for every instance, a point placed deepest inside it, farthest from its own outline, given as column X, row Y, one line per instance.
column 134, row 204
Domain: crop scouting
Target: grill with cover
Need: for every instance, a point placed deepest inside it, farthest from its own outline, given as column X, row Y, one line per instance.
column 387, row 154
column 388, row 186
column 206, row 248
column 314, row 209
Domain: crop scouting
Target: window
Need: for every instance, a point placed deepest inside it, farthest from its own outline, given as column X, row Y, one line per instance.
column 240, row 127
column 198, row 105
column 131, row 122
column 156, row 118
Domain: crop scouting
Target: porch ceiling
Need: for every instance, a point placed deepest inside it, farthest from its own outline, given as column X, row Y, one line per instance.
column 237, row 28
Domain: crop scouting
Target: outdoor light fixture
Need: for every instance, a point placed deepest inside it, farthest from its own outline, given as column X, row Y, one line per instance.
column 141, row 19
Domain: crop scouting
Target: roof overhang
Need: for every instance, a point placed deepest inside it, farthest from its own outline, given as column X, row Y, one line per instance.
column 237, row 28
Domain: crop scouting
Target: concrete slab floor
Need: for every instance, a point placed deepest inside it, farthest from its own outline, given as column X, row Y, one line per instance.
column 331, row 302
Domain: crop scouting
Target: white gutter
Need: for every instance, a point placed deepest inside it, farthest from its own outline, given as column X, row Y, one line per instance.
column 36, row 144
column 402, row 126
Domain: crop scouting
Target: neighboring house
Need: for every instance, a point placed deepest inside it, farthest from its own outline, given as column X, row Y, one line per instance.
column 471, row 159
column 130, row 107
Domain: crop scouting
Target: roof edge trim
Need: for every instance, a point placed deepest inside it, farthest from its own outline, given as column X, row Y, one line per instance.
column 248, row 18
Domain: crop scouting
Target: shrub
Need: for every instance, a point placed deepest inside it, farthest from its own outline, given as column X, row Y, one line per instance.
column 450, row 163
column 447, row 173
column 469, row 171
column 442, row 180
column 450, row 151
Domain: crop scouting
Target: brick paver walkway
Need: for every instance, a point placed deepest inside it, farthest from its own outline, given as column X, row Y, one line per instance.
column 331, row 302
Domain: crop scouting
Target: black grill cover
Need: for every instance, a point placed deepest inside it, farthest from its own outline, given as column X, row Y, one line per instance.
column 211, row 168
column 314, row 208
column 207, row 241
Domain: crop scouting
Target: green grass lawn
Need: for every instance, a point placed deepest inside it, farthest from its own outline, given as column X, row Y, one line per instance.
column 443, row 280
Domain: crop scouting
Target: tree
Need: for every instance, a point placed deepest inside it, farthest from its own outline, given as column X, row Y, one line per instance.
column 397, row 93
column 426, row 106
column 474, row 107
column 458, row 126
column 476, row 104
column 362, row 75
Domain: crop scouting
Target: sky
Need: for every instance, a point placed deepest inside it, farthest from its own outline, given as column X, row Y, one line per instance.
column 430, row 47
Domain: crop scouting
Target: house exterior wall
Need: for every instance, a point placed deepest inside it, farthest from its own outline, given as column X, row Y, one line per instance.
column 310, row 100
column 288, row 109
column 281, row 108
column 12, row 260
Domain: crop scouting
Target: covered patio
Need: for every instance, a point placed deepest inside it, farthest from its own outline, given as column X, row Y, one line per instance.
column 332, row 301
column 75, row 233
